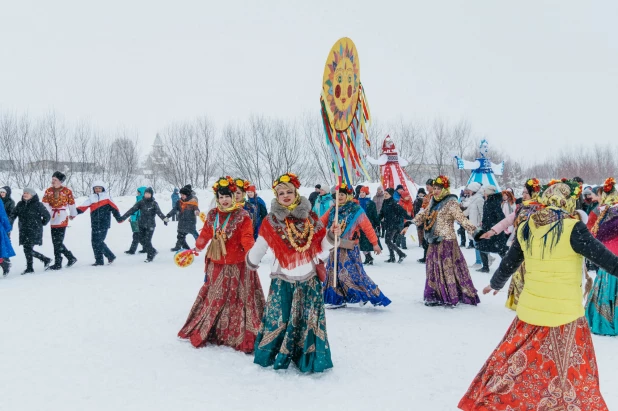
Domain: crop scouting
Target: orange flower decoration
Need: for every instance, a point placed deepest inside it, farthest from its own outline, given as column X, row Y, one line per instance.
column 287, row 178
column 443, row 181
column 223, row 182
column 609, row 185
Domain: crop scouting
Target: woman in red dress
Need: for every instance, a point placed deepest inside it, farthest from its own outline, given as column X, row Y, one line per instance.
column 228, row 309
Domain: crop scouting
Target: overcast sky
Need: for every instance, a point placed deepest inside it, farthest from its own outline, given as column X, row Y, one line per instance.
column 529, row 75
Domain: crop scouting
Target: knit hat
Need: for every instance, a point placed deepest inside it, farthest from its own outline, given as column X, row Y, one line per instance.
column 474, row 187
column 149, row 190
column 59, row 176
column 251, row 189
column 186, row 190
column 318, row 186
column 399, row 187
column 30, row 191
column 390, row 191
column 2, row 190
column 489, row 190
column 421, row 191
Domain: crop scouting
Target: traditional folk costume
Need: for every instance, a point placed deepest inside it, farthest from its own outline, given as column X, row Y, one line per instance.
column 602, row 304
column 546, row 360
column 230, row 304
column 293, row 328
column 484, row 171
column 448, row 279
column 60, row 204
column 353, row 284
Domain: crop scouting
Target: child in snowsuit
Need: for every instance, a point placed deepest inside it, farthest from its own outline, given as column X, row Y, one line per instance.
column 32, row 216
column 187, row 210
column 135, row 225
column 101, row 209
column 149, row 210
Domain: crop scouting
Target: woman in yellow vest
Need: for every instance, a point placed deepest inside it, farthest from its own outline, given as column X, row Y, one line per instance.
column 546, row 360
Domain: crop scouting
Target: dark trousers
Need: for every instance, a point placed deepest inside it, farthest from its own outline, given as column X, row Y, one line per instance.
column 135, row 242
column 100, row 248
column 485, row 257
column 181, row 241
column 425, row 248
column 60, row 249
column 462, row 234
column 31, row 254
column 391, row 238
column 145, row 235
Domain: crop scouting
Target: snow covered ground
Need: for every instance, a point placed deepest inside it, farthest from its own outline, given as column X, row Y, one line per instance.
column 104, row 338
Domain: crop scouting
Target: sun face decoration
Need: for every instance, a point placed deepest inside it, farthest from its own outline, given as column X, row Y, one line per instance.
column 341, row 83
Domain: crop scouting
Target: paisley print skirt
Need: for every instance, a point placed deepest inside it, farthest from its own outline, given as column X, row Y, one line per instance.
column 448, row 279
column 541, row 369
column 294, row 327
column 228, row 309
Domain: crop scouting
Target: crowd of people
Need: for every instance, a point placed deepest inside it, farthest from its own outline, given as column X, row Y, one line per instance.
column 547, row 239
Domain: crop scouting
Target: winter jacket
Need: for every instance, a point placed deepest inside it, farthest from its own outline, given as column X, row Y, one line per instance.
column 149, row 210
column 187, row 211
column 135, row 216
column 101, row 207
column 9, row 204
column 312, row 197
column 259, row 214
column 474, row 208
column 33, row 215
column 392, row 214
column 60, row 204
column 492, row 215
column 6, row 249
column 552, row 294
column 418, row 204
column 378, row 199
column 407, row 205
column 175, row 197
column 372, row 214
column 323, row 204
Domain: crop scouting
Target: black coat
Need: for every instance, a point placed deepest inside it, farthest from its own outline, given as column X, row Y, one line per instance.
column 9, row 204
column 312, row 197
column 149, row 210
column 492, row 215
column 32, row 216
column 582, row 242
column 418, row 204
column 186, row 210
column 392, row 214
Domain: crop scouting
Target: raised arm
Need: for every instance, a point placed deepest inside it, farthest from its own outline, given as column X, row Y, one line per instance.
column 498, row 169
column 467, row 165
column 453, row 208
column 85, row 206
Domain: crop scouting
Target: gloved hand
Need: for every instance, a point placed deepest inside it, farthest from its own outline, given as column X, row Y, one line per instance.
column 166, row 220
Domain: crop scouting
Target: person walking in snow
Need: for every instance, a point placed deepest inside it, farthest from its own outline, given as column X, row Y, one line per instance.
column 101, row 207
column 369, row 207
column 473, row 210
column 492, row 215
column 32, row 215
column 315, row 194
column 7, row 201
column 259, row 209
column 6, row 249
column 135, row 225
column 392, row 216
column 405, row 201
column 418, row 205
column 149, row 210
column 187, row 210
column 175, row 199
column 378, row 199
column 60, row 204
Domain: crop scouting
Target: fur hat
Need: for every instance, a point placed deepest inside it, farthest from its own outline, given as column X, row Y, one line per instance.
column 474, row 187
column 59, row 176
column 186, row 190
column 489, row 190
column 30, row 191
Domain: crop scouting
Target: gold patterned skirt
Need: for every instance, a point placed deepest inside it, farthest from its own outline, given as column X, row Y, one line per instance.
column 228, row 309
column 539, row 368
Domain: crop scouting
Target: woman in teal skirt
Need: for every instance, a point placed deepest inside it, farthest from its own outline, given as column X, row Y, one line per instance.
column 293, row 328
column 602, row 305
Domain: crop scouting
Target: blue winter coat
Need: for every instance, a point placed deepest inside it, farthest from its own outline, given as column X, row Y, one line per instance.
column 135, row 216
column 6, row 249
column 259, row 211
column 323, row 204
column 175, row 197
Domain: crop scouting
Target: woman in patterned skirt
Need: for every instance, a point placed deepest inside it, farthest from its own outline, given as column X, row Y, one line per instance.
column 448, row 279
column 602, row 306
column 353, row 285
column 229, row 306
column 293, row 328
column 546, row 360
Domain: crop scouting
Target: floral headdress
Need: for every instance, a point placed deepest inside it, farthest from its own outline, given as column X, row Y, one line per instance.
column 534, row 185
column 224, row 183
column 609, row 195
column 561, row 194
column 443, row 181
column 287, row 178
column 345, row 189
column 242, row 184
column 609, row 185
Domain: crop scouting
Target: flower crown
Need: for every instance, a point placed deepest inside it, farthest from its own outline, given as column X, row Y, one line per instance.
column 535, row 184
column 287, row 178
column 443, row 181
column 242, row 184
column 344, row 188
column 224, row 182
column 609, row 185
